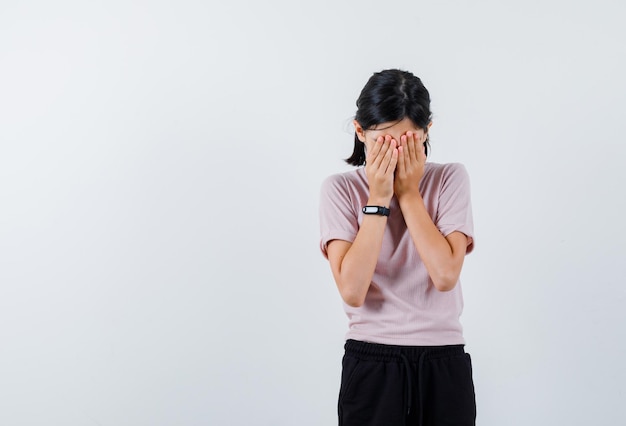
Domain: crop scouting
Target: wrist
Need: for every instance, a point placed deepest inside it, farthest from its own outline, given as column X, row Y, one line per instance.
column 379, row 201
column 409, row 197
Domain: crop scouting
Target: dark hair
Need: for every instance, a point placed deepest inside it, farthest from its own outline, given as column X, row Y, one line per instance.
column 390, row 95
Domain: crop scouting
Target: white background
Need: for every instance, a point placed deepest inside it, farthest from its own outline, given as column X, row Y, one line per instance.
column 160, row 165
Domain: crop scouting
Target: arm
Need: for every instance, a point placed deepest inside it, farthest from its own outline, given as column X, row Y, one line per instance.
column 353, row 264
column 442, row 256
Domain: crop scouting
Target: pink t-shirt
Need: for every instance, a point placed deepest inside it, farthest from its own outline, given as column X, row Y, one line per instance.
column 402, row 307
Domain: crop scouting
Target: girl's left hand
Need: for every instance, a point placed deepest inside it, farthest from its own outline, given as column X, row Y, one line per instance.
column 410, row 168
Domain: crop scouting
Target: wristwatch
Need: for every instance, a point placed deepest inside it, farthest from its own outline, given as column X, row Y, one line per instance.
column 379, row 210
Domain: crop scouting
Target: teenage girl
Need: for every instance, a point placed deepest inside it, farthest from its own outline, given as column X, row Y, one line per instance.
column 396, row 232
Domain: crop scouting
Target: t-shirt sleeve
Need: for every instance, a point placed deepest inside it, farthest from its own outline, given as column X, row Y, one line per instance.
column 454, row 212
column 338, row 218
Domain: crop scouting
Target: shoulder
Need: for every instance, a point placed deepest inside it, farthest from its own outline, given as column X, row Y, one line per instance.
column 446, row 169
column 344, row 181
column 448, row 178
column 341, row 194
column 446, row 173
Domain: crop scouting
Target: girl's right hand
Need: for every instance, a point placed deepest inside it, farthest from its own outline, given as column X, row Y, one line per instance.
column 380, row 166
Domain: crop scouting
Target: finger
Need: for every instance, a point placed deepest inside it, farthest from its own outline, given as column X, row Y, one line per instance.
column 409, row 135
column 384, row 149
column 401, row 159
column 422, row 147
column 402, row 144
column 406, row 149
column 371, row 156
column 388, row 156
column 380, row 153
column 412, row 138
column 394, row 161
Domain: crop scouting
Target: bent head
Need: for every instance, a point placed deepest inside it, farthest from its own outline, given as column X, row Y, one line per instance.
column 392, row 102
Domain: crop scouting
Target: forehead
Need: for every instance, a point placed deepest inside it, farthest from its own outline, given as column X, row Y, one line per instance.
column 399, row 127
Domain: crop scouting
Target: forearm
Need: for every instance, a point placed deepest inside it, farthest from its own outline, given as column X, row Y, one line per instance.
column 353, row 264
column 359, row 262
column 441, row 261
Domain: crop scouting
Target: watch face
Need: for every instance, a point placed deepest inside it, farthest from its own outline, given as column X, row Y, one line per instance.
column 383, row 211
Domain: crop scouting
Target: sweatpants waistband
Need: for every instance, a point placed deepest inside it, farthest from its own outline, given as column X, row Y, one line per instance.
column 381, row 352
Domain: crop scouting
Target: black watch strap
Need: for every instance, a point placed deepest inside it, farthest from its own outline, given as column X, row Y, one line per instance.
column 379, row 210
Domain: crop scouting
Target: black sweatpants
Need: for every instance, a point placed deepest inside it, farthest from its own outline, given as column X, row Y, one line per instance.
column 386, row 385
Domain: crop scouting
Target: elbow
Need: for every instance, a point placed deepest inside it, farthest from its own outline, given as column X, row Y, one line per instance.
column 446, row 283
column 352, row 287
column 352, row 299
column 354, row 303
column 352, row 296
